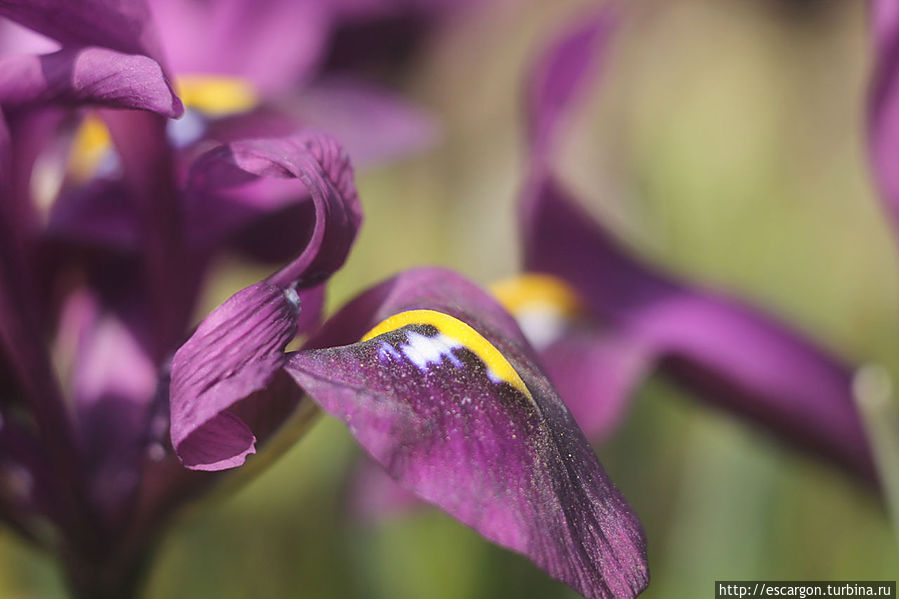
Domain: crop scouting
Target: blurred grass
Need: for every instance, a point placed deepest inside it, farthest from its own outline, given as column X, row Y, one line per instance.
column 726, row 145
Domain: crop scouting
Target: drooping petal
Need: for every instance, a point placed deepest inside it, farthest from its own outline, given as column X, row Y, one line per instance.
column 447, row 397
column 883, row 103
column 123, row 25
column 91, row 75
column 328, row 221
column 562, row 71
column 736, row 356
column 235, row 352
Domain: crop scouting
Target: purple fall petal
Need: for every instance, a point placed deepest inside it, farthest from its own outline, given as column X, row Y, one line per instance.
column 87, row 76
column 507, row 460
column 235, row 352
column 123, row 25
column 883, row 104
column 736, row 356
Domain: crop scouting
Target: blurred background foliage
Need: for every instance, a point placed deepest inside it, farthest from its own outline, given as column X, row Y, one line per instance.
column 725, row 143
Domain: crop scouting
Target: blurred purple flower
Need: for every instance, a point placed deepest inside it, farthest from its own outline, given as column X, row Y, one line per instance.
column 603, row 319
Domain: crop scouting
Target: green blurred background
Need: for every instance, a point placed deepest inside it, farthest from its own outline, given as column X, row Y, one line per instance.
column 725, row 143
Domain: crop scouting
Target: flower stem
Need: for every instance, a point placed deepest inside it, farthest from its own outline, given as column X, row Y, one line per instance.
column 874, row 396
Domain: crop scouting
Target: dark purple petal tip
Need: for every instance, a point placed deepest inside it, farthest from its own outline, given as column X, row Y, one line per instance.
column 446, row 396
column 234, row 353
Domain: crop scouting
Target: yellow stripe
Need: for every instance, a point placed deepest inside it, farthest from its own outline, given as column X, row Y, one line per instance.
column 91, row 142
column 460, row 332
column 533, row 289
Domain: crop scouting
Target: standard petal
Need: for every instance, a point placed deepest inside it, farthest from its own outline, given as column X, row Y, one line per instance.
column 736, row 356
column 123, row 25
column 883, row 103
column 97, row 76
column 235, row 352
column 272, row 43
column 328, row 222
column 562, row 71
column 448, row 399
column 374, row 125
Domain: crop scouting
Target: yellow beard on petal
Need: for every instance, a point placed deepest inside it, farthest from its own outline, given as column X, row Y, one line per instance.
column 498, row 366
column 528, row 289
column 90, row 144
column 215, row 95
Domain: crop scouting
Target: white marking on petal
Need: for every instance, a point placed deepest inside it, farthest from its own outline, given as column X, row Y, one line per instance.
column 542, row 324
column 186, row 130
column 387, row 352
column 424, row 351
column 292, row 296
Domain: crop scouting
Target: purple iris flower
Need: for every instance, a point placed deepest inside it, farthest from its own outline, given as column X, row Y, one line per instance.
column 444, row 392
column 98, row 285
column 602, row 318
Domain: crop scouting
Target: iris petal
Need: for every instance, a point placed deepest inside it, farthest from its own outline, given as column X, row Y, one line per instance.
column 507, row 461
column 123, row 25
column 235, row 352
column 325, row 231
column 883, row 103
column 731, row 353
column 87, row 76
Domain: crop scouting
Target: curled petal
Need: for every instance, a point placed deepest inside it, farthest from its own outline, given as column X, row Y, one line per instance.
column 328, row 224
column 87, row 76
column 235, row 352
column 449, row 400
column 733, row 354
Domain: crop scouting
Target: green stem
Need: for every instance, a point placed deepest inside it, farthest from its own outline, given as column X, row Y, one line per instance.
column 874, row 397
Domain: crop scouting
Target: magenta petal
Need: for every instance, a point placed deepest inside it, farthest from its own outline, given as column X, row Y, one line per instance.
column 883, row 104
column 123, row 25
column 595, row 371
column 510, row 463
column 373, row 495
column 739, row 357
column 563, row 70
column 327, row 229
column 87, row 76
column 235, row 352
column 275, row 44
column 374, row 125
